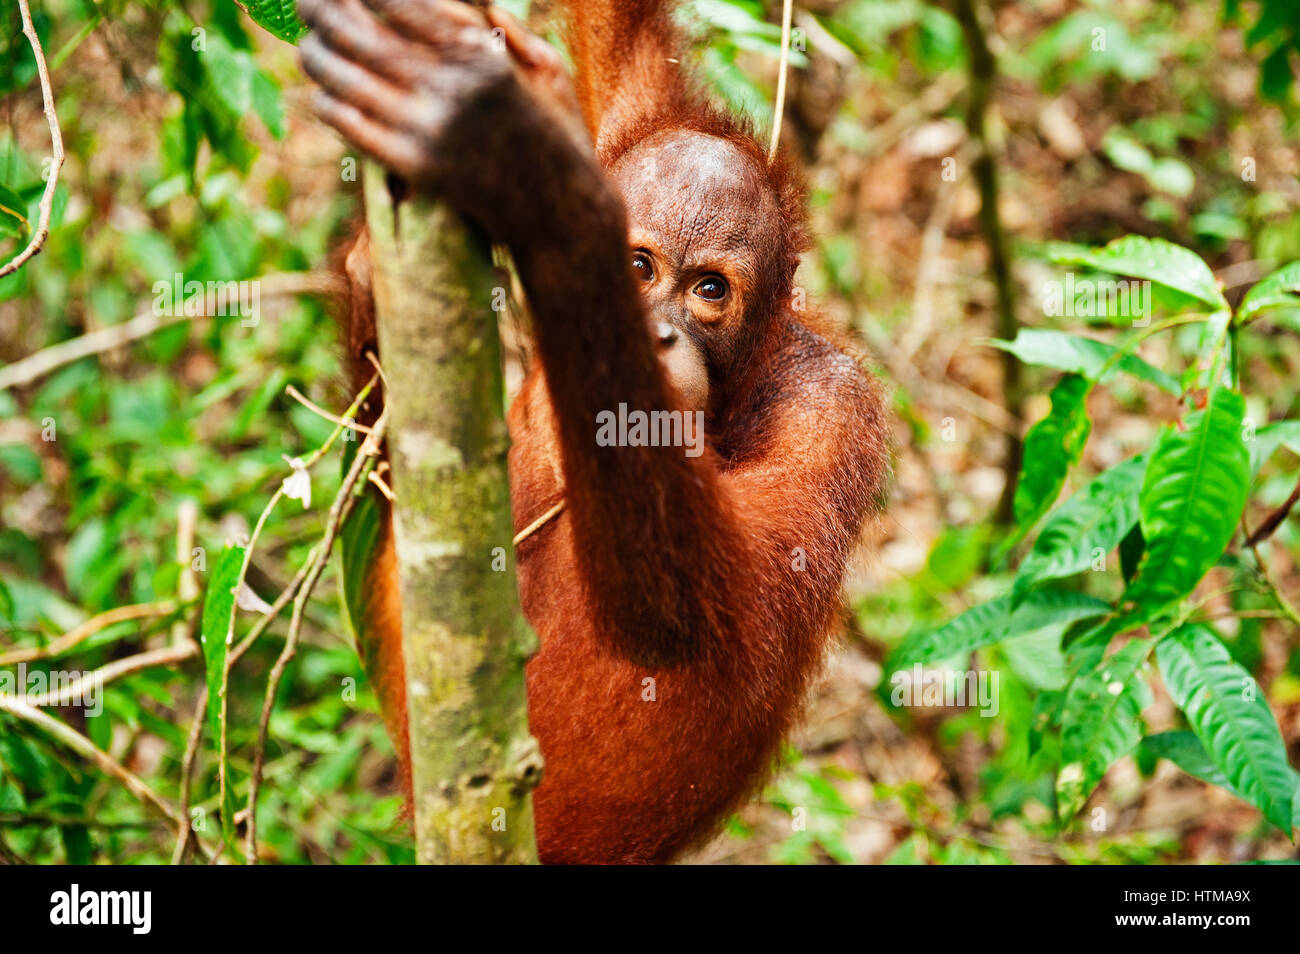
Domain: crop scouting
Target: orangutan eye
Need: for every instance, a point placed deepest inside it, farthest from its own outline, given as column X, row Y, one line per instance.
column 712, row 288
column 642, row 267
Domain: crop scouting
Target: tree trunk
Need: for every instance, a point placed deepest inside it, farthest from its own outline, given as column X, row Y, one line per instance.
column 473, row 761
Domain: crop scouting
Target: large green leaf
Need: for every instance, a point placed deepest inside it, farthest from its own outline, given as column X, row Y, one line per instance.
column 1229, row 714
column 1101, row 721
column 278, row 17
column 993, row 622
column 1095, row 519
column 1192, row 497
column 1279, row 290
column 1052, row 447
column 1083, row 356
column 1153, row 259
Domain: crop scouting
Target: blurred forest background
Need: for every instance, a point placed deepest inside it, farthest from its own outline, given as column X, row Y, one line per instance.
column 1181, row 124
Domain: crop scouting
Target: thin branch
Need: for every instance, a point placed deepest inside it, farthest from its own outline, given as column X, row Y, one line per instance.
column 187, row 779
column 87, row 629
column 41, row 363
column 321, row 412
column 1238, row 614
column 1274, row 519
column 338, row 513
column 778, row 111
column 75, row 690
column 281, row 601
column 222, row 695
column 348, row 418
column 188, row 588
column 46, row 205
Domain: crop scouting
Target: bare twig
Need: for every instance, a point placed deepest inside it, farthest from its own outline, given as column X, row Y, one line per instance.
column 338, row 513
column 46, row 204
column 1238, row 614
column 87, row 629
column 783, row 68
column 281, row 601
column 76, row 689
column 187, row 779
column 321, row 412
column 188, row 588
column 348, row 418
column 376, row 477
column 1274, row 519
column 41, row 363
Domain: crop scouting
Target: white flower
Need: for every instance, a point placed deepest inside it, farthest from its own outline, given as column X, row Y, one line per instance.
column 297, row 486
column 246, row 599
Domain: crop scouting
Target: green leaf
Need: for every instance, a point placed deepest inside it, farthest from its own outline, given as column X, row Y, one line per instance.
column 1095, row 519
column 268, row 104
column 1126, row 152
column 1052, row 447
column 1101, row 721
column 993, row 622
column 278, row 18
column 1172, row 176
column 217, row 627
column 1184, row 749
column 1155, row 260
column 1037, row 658
column 216, row 632
column 1192, row 497
column 1168, row 175
column 1279, row 290
column 228, row 75
column 1083, row 356
column 1228, row 713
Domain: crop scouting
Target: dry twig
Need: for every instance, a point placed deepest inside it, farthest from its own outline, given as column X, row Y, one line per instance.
column 46, row 205
column 41, row 363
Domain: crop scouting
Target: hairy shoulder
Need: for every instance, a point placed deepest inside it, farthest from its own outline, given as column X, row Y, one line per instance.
column 812, row 391
column 813, row 439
